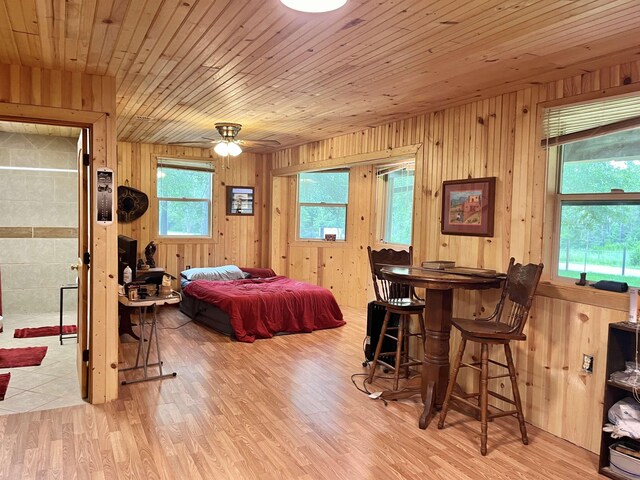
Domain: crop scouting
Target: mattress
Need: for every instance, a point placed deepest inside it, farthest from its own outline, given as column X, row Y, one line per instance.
column 262, row 307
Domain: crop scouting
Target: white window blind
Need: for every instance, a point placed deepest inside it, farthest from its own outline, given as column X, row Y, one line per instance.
column 571, row 123
column 388, row 169
column 195, row 165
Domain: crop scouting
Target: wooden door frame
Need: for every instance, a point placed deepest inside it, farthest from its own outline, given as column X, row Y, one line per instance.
column 103, row 291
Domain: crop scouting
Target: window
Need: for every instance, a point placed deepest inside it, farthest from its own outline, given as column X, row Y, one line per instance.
column 322, row 204
column 598, row 207
column 394, row 203
column 184, row 198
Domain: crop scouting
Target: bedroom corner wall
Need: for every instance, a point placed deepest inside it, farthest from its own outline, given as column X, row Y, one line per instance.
column 239, row 240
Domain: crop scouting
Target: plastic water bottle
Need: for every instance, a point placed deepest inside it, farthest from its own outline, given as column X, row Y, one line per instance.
column 127, row 275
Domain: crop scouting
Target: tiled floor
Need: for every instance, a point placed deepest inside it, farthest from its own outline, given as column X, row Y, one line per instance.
column 54, row 383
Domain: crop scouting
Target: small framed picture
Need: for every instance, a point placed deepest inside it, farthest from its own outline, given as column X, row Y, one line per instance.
column 239, row 200
column 468, row 207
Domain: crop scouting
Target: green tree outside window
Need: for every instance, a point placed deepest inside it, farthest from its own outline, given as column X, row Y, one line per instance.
column 184, row 200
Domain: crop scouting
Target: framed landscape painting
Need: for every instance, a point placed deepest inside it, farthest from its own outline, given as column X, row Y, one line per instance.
column 468, row 207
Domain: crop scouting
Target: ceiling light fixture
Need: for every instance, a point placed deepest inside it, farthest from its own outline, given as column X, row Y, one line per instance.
column 221, row 149
column 227, row 147
column 234, row 149
column 314, row 6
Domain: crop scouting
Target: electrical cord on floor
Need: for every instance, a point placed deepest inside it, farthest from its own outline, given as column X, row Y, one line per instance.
column 364, row 388
column 364, row 351
column 175, row 328
column 366, row 363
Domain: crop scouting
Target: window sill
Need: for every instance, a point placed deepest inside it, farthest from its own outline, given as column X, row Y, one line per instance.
column 182, row 240
column 392, row 246
column 320, row 244
column 585, row 295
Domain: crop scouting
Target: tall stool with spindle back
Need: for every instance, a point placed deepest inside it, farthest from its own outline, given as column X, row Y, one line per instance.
column 397, row 299
column 505, row 324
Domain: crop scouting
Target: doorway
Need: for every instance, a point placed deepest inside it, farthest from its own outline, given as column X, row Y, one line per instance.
column 39, row 238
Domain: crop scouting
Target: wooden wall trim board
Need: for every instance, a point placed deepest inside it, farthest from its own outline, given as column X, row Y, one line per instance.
column 35, row 114
column 382, row 156
column 499, row 137
column 38, row 232
column 103, row 273
column 70, row 92
column 629, row 90
column 38, row 95
column 217, row 197
column 584, row 295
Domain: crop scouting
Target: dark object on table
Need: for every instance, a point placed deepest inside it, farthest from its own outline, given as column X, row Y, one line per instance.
column 506, row 323
column 611, row 286
column 127, row 255
column 152, row 275
column 400, row 300
column 149, row 252
column 132, row 203
column 141, row 265
column 583, row 279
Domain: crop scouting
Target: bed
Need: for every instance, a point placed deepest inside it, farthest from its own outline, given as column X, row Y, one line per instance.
column 256, row 303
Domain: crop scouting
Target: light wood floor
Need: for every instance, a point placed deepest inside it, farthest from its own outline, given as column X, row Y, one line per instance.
column 283, row 408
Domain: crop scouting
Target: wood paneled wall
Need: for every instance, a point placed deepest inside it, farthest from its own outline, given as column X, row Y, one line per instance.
column 65, row 98
column 493, row 137
column 239, row 240
column 58, row 89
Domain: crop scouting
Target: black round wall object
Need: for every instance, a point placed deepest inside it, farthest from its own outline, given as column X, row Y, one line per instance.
column 132, row 203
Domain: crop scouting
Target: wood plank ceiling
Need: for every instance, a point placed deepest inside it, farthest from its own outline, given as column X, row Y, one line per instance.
column 183, row 65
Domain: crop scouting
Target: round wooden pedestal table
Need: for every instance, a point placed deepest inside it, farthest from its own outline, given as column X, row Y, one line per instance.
column 440, row 285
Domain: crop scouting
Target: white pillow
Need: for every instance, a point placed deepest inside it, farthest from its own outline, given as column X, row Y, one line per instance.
column 225, row 272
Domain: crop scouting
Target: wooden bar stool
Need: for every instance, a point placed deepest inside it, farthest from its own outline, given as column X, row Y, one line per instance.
column 400, row 300
column 505, row 324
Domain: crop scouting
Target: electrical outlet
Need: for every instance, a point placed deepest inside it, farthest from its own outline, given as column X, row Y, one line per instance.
column 587, row 363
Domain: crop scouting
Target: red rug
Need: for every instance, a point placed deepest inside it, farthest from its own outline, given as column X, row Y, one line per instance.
column 44, row 331
column 4, row 383
column 21, row 357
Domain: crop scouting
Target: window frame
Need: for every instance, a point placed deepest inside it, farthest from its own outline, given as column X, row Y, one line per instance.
column 329, row 205
column 559, row 200
column 212, row 217
column 383, row 204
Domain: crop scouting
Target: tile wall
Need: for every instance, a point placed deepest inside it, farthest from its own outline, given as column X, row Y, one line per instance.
column 35, row 261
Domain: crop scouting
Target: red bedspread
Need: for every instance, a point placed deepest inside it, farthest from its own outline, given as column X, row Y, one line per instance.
column 262, row 307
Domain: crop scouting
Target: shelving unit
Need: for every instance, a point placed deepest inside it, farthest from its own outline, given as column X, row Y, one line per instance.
column 621, row 347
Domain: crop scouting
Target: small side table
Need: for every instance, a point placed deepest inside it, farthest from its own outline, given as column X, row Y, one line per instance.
column 71, row 286
column 144, row 321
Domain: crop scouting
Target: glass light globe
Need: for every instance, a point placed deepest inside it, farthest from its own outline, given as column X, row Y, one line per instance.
column 222, row 149
column 314, row 6
column 234, row 149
